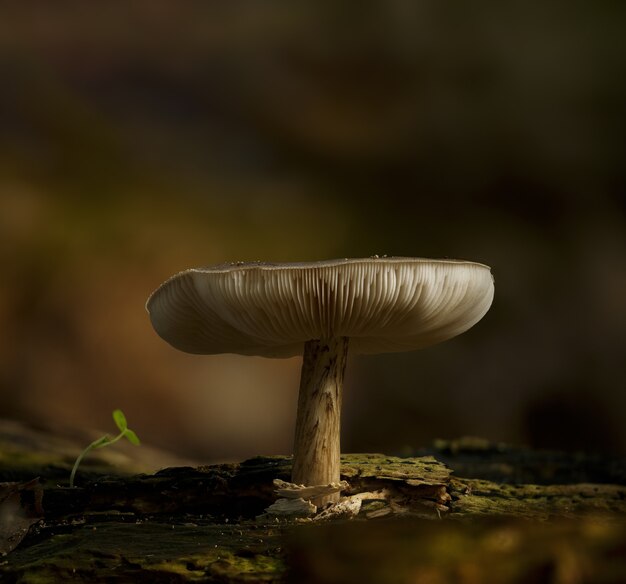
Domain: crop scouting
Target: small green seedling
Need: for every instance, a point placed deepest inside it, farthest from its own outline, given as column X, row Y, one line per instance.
column 125, row 432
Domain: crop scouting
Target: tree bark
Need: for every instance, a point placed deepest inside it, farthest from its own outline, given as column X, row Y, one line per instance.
column 316, row 453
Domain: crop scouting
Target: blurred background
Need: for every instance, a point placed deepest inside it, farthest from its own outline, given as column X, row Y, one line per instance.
column 139, row 139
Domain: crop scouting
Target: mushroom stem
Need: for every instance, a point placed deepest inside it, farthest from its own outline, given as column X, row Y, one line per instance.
column 316, row 448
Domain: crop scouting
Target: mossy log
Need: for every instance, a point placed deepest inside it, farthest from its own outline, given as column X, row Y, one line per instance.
column 207, row 523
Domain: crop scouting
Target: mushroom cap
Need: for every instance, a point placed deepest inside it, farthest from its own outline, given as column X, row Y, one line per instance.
column 382, row 304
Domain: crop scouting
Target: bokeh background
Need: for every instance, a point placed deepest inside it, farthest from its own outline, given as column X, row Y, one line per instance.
column 139, row 139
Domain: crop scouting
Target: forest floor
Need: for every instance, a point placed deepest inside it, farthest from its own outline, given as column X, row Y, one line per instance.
column 465, row 511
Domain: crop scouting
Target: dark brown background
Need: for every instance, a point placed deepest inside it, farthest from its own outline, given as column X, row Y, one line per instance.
column 139, row 140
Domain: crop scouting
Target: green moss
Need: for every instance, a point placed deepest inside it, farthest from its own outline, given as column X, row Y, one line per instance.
column 380, row 466
column 226, row 565
column 152, row 552
column 473, row 497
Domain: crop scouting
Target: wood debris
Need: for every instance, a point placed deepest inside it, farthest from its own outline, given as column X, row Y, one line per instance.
column 291, row 508
column 293, row 491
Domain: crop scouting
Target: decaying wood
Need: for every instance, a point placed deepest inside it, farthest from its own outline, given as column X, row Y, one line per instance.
column 475, row 497
column 421, row 516
column 316, row 452
column 291, row 508
column 20, row 508
column 350, row 506
column 293, row 491
column 295, row 506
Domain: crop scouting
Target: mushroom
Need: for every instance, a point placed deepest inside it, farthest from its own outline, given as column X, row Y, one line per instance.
column 318, row 309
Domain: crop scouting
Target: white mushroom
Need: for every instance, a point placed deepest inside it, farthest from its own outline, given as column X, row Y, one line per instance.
column 317, row 309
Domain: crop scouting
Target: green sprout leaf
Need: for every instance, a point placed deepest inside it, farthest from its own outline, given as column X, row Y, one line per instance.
column 120, row 420
column 132, row 437
column 125, row 432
